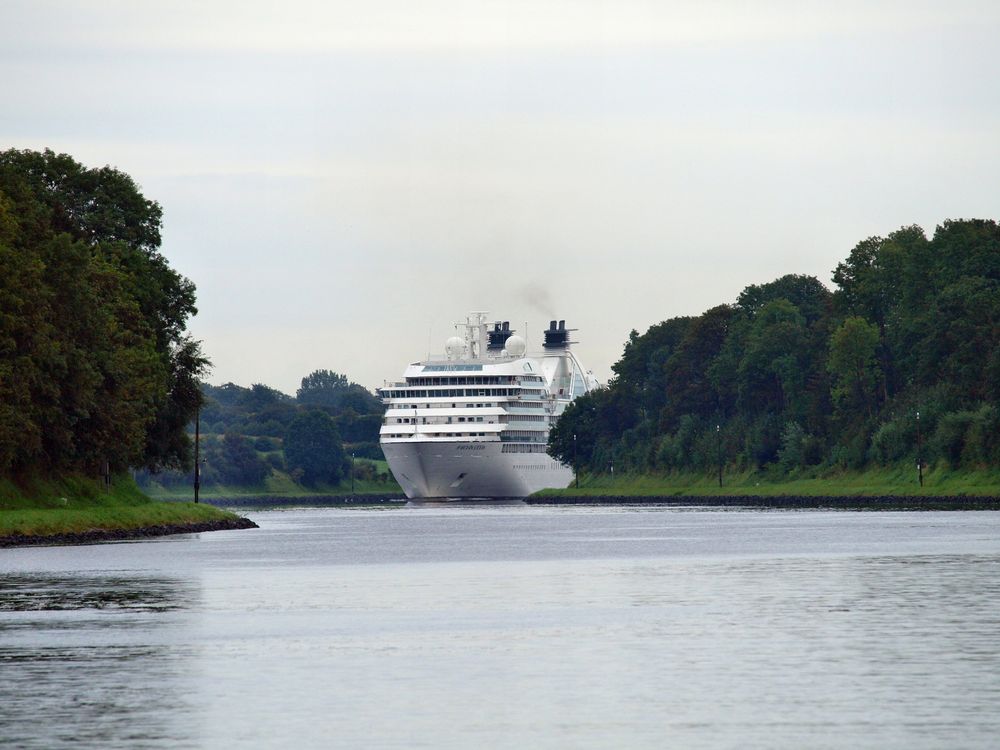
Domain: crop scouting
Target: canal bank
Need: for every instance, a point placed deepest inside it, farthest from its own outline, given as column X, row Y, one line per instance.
column 782, row 502
column 81, row 510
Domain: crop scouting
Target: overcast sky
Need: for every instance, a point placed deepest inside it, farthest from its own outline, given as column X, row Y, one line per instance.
column 344, row 180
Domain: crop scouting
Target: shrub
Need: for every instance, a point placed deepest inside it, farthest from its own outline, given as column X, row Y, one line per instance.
column 982, row 445
column 265, row 444
column 794, row 443
column 948, row 440
column 894, row 441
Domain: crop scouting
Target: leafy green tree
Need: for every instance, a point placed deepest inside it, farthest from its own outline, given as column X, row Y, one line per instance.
column 962, row 337
column 111, row 316
column 314, row 446
column 772, row 368
column 333, row 391
column 321, row 388
column 795, row 376
column 854, row 365
column 241, row 464
column 576, row 436
column 28, row 349
column 806, row 293
column 688, row 385
column 260, row 397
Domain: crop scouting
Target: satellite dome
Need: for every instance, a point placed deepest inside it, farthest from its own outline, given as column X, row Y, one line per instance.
column 515, row 346
column 454, row 347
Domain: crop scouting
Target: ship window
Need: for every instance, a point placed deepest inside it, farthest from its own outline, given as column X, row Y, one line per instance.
column 461, row 419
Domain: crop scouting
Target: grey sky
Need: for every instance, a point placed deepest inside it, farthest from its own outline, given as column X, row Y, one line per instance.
column 344, row 179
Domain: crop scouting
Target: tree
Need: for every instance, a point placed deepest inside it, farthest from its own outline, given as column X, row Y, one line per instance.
column 807, row 293
column 112, row 345
column 261, row 396
column 854, row 365
column 240, row 463
column 313, row 445
column 321, row 388
column 772, row 369
column 875, row 282
column 688, row 369
column 331, row 390
column 795, row 376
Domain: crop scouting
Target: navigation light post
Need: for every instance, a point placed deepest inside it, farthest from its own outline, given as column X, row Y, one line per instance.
column 576, row 469
column 920, row 460
column 718, row 441
column 197, row 449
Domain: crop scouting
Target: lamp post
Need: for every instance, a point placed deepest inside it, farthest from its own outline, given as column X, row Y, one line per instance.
column 920, row 460
column 197, row 454
column 718, row 443
column 352, row 473
column 576, row 469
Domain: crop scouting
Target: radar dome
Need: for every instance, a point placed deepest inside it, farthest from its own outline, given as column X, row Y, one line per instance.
column 515, row 346
column 454, row 347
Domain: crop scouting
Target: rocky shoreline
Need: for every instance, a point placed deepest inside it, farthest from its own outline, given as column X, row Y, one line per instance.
column 94, row 536
column 856, row 502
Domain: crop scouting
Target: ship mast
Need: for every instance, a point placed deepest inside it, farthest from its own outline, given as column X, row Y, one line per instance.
column 475, row 333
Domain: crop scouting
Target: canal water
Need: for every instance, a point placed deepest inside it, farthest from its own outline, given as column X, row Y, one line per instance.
column 512, row 627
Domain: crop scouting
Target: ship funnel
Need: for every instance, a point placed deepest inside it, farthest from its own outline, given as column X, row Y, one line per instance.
column 496, row 339
column 557, row 336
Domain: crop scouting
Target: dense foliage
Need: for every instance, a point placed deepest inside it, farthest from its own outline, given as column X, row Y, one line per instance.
column 95, row 365
column 313, row 448
column 245, row 431
column 263, row 411
column 794, row 375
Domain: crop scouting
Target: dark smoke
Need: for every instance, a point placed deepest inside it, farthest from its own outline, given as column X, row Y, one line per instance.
column 536, row 297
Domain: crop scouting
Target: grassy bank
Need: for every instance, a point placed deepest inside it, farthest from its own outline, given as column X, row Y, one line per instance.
column 870, row 483
column 280, row 484
column 74, row 505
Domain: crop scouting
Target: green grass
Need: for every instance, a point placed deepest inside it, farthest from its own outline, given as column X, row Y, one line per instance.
column 280, row 484
column 43, row 507
column 873, row 482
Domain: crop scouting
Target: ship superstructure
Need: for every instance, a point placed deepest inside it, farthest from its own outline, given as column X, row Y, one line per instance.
column 475, row 423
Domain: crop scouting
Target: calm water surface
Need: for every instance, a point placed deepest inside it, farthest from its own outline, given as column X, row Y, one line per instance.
column 513, row 627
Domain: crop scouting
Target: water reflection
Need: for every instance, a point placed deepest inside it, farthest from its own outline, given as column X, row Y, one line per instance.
column 85, row 661
column 23, row 593
column 513, row 627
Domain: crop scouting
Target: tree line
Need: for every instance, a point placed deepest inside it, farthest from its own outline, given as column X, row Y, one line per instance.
column 898, row 363
column 249, row 433
column 96, row 367
column 262, row 410
column 97, row 371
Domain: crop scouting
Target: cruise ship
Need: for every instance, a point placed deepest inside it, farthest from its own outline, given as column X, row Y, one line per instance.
column 474, row 424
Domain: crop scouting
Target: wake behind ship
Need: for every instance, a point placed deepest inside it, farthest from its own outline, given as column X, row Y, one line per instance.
column 475, row 423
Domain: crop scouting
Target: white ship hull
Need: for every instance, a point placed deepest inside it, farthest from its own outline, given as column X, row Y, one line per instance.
column 465, row 470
